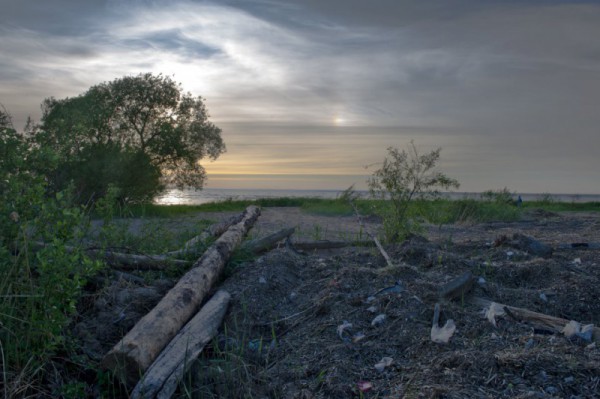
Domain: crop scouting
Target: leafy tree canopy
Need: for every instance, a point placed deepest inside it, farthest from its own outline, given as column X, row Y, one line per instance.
column 136, row 133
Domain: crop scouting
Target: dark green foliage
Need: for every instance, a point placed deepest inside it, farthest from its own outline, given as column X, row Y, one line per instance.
column 137, row 133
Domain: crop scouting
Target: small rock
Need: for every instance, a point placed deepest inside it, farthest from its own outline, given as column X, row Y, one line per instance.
column 372, row 309
column 551, row 390
column 577, row 261
column 481, row 281
column 569, row 380
column 262, row 280
column 370, row 299
column 543, row 297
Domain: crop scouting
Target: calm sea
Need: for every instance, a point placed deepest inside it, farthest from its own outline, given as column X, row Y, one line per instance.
column 192, row 197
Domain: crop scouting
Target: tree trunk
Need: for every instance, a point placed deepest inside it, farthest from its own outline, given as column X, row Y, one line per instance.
column 131, row 356
column 265, row 243
column 163, row 376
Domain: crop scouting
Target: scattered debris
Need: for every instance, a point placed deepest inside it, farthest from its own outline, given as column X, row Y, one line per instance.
column 457, row 287
column 379, row 319
column 383, row 363
column 364, row 386
column 441, row 335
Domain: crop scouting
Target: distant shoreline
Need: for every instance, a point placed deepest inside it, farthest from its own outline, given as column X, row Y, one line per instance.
column 207, row 195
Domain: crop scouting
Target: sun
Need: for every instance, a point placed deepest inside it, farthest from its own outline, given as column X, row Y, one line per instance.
column 339, row 120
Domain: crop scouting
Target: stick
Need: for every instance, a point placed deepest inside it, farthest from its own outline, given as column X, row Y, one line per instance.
column 373, row 237
column 555, row 324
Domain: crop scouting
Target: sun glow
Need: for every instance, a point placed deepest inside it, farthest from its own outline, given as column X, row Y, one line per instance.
column 339, row 120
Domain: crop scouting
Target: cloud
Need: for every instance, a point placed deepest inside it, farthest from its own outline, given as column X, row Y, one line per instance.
column 508, row 86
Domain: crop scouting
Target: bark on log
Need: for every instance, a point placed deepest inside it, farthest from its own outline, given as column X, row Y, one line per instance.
column 137, row 350
column 125, row 261
column 213, row 231
column 163, row 376
column 555, row 324
column 457, row 287
column 136, row 262
column 325, row 244
column 266, row 243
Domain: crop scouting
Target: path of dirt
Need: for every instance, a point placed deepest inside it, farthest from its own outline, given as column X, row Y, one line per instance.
column 282, row 337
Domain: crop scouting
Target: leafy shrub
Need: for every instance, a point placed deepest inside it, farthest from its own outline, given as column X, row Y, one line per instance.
column 404, row 177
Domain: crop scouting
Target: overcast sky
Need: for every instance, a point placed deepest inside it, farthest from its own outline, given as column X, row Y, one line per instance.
column 509, row 89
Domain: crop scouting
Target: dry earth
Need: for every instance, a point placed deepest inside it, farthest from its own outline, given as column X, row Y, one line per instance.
column 282, row 336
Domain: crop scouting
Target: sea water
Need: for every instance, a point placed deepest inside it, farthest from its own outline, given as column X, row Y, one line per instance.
column 206, row 195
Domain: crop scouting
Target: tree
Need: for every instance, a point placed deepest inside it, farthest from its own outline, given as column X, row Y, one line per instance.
column 137, row 133
column 403, row 178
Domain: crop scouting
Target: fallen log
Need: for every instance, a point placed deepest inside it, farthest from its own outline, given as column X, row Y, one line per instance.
column 555, row 324
column 325, row 244
column 163, row 376
column 213, row 231
column 527, row 244
column 131, row 356
column 124, row 261
column 457, row 287
column 266, row 243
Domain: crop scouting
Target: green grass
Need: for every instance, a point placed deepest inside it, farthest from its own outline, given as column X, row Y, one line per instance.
column 446, row 211
column 556, row 206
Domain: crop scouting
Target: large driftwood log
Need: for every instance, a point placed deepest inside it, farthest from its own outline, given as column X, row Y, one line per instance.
column 266, row 243
column 555, row 324
column 138, row 349
column 213, row 231
column 163, row 376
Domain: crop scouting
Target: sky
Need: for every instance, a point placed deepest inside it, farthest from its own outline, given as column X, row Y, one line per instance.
column 319, row 89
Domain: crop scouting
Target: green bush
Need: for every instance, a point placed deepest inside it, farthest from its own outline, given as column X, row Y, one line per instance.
column 404, row 177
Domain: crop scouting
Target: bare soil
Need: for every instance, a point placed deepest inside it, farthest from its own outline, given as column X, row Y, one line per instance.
column 282, row 336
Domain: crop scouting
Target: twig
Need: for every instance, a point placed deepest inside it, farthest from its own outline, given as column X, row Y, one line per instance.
column 373, row 237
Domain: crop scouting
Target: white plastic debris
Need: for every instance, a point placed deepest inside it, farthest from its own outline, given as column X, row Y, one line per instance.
column 364, row 386
column 571, row 328
column 441, row 335
column 574, row 329
column 342, row 327
column 359, row 336
column 372, row 309
column 379, row 319
column 495, row 310
column 383, row 363
column 577, row 261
